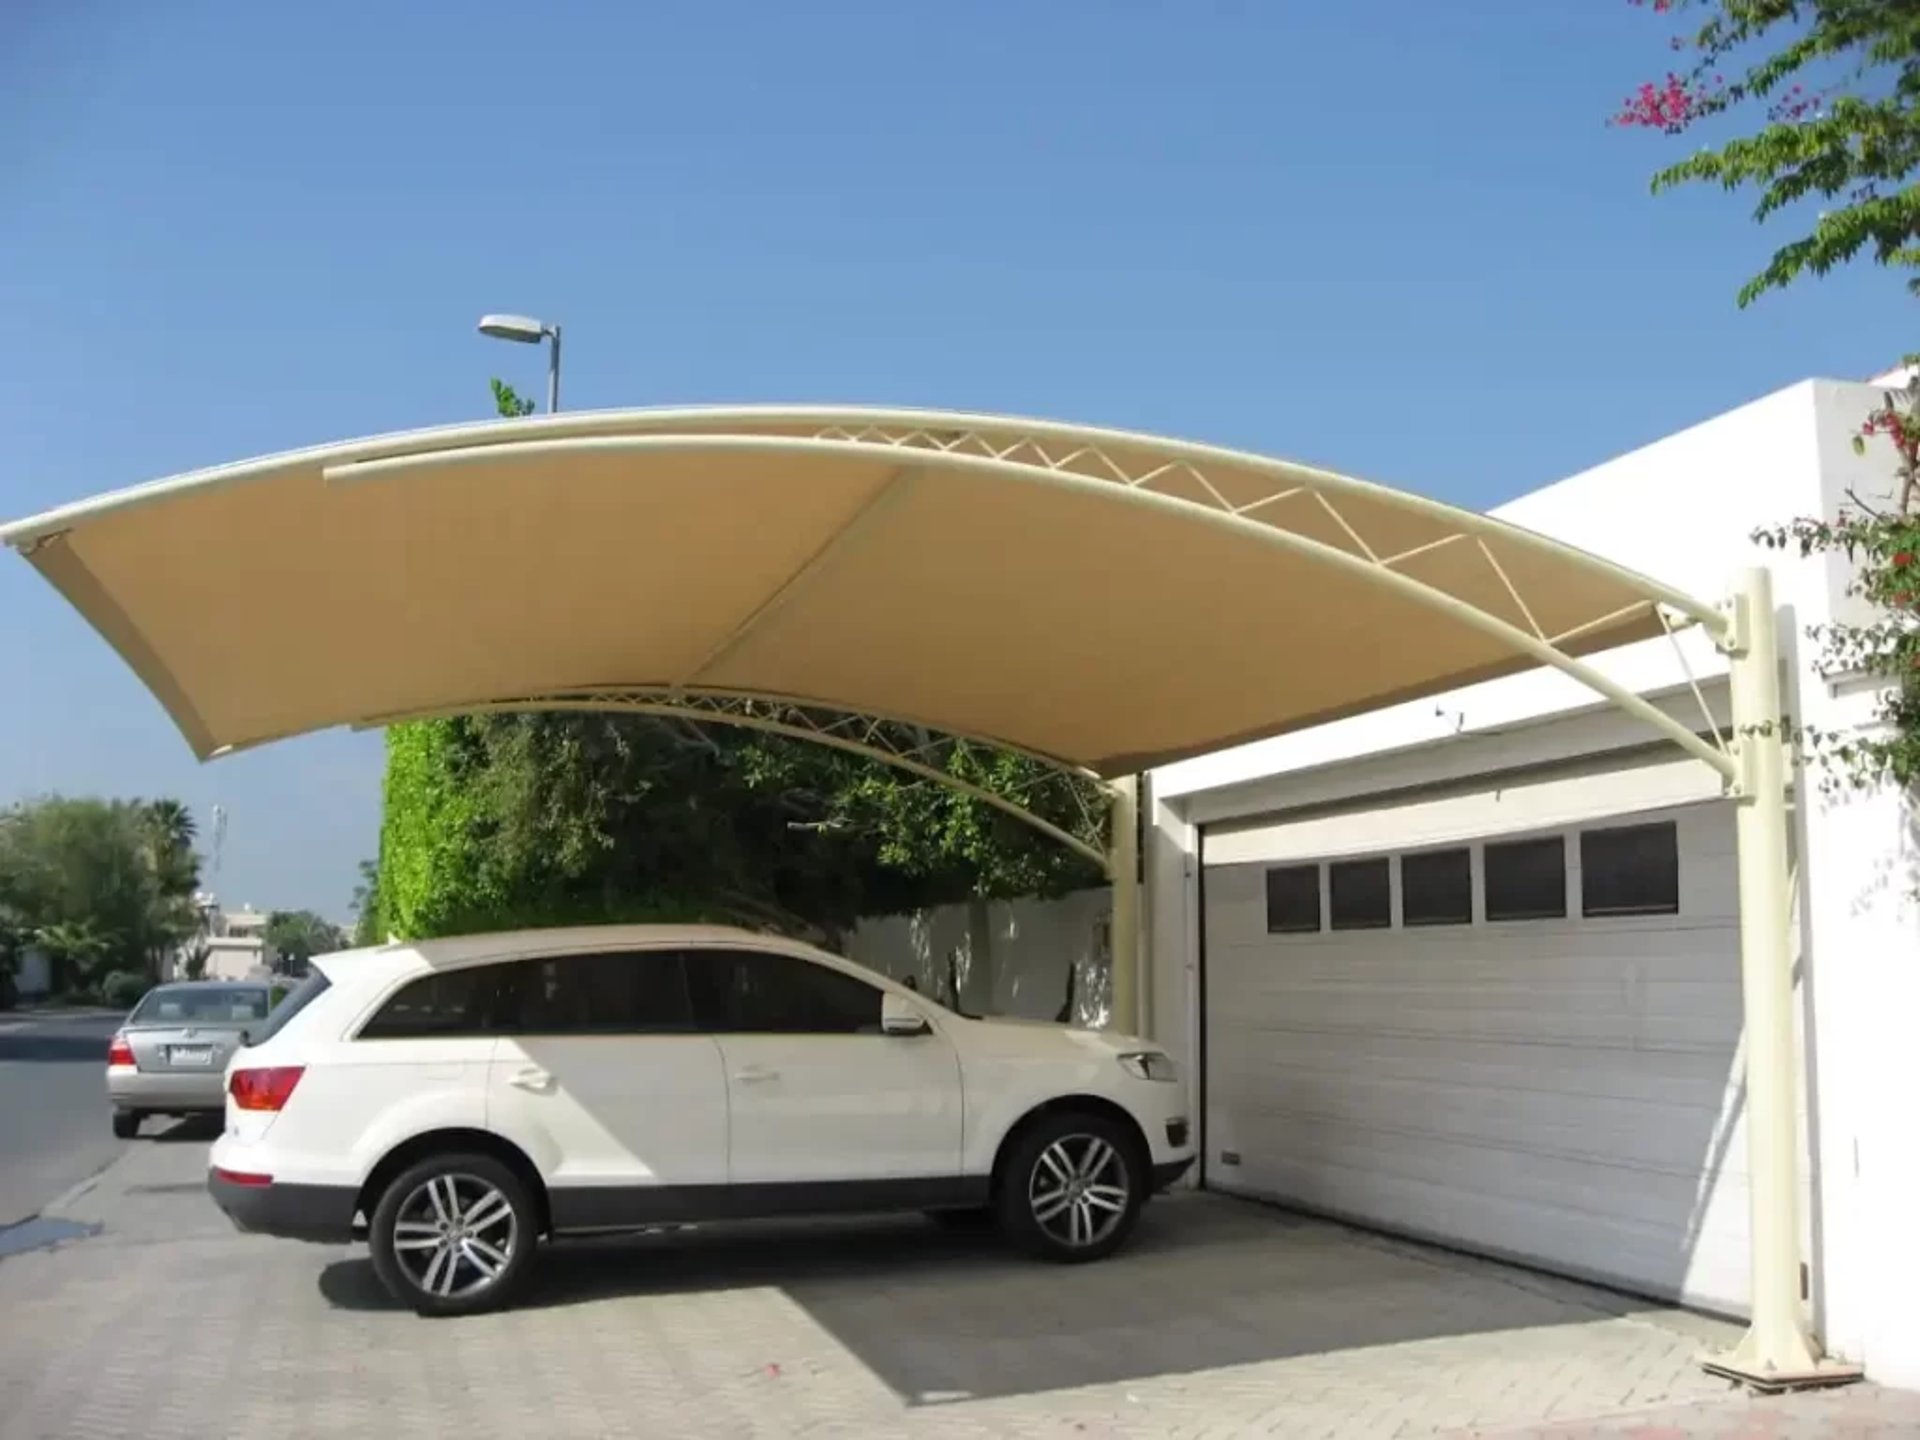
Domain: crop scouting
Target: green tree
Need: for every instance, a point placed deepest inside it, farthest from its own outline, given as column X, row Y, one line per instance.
column 167, row 833
column 172, row 826
column 366, row 905
column 296, row 936
column 1831, row 91
column 100, row 885
column 1833, row 86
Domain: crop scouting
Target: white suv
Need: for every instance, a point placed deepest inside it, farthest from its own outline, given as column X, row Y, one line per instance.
column 464, row 1098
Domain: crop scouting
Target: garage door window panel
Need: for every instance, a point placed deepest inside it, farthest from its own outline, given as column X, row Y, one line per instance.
column 1293, row 900
column 1527, row 879
column 1360, row 894
column 1630, row 870
column 1436, row 887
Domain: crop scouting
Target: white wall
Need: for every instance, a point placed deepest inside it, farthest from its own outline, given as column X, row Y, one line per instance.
column 1012, row 955
column 33, row 976
column 1860, row 924
column 235, row 957
column 1682, row 510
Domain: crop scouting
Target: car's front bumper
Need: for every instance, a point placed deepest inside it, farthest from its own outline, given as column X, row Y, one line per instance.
column 1169, row 1172
column 171, row 1091
column 321, row 1213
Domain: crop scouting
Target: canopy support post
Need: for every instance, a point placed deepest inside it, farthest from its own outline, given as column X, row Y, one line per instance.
column 1777, row 1352
column 1123, row 873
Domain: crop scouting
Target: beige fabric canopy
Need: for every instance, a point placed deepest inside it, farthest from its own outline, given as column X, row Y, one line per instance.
column 1109, row 600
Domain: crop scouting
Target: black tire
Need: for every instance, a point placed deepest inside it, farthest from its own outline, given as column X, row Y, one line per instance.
column 1031, row 1182
column 471, row 1291
column 126, row 1124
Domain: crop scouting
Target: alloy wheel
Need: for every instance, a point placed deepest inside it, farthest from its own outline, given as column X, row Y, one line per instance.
column 1078, row 1191
column 454, row 1235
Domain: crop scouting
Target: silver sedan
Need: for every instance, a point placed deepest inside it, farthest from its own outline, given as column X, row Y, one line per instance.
column 170, row 1056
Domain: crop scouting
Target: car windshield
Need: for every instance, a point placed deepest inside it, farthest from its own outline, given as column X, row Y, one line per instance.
column 201, row 1005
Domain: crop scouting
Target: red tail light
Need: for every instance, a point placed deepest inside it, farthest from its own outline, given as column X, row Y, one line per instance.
column 243, row 1177
column 119, row 1052
column 266, row 1089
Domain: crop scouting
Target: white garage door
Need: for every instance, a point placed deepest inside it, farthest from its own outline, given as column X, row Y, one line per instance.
column 1505, row 1020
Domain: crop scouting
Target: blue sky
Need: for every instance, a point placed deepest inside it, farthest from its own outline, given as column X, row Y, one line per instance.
column 1394, row 237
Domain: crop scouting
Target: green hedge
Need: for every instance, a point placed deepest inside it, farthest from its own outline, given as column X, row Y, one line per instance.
column 429, row 861
column 123, row 988
column 442, row 870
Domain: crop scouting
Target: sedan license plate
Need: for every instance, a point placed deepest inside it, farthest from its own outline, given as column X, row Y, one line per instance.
column 191, row 1054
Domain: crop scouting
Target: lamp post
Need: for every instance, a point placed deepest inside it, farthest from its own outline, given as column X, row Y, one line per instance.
column 525, row 330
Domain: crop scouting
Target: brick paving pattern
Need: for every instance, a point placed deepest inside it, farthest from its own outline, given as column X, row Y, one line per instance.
column 1223, row 1320
column 1855, row 1412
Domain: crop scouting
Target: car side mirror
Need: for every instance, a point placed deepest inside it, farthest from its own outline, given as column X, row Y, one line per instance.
column 898, row 1017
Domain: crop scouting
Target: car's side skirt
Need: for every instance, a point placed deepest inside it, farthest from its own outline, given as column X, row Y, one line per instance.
column 577, row 1209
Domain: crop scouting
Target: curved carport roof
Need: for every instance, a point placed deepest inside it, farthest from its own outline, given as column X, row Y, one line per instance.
column 1104, row 599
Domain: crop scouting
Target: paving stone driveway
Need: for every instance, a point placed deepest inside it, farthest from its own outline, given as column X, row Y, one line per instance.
column 1224, row 1319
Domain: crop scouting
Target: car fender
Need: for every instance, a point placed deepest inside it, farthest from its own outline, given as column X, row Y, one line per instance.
column 1011, row 1068
column 441, row 1107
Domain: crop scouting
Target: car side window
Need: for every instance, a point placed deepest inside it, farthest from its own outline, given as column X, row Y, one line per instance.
column 614, row 992
column 298, row 998
column 758, row 992
column 446, row 1003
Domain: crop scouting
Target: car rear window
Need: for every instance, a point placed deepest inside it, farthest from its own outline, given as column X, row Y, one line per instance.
column 200, row 1004
column 298, row 998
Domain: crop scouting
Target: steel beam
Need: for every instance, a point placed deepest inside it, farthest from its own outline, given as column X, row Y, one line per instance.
column 1777, row 1352
column 1123, row 874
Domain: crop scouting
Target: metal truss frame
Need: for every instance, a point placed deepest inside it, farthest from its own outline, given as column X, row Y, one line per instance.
column 1083, row 457
column 930, row 755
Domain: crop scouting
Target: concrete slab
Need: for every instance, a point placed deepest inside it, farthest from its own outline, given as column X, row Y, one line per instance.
column 1224, row 1319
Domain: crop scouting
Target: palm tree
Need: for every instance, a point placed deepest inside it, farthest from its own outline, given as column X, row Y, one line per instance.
column 167, row 832
column 172, row 822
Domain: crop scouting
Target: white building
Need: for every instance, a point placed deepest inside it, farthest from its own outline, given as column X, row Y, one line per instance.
column 1468, row 969
column 1367, row 1037
column 234, row 943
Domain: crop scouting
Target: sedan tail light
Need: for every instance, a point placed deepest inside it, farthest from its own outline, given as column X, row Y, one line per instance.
column 119, row 1052
column 265, row 1089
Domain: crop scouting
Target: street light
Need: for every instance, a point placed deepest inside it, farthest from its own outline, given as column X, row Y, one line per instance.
column 528, row 331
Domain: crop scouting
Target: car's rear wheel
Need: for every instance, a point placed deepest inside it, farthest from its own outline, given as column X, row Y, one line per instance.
column 453, row 1235
column 1072, row 1187
column 126, row 1124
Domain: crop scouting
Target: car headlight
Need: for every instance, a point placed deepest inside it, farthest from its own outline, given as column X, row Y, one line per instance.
column 1150, row 1065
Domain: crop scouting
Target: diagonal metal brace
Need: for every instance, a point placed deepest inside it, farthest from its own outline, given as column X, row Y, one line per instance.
column 1048, row 788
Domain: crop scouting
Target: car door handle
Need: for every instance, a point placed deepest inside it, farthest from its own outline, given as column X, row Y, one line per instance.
column 532, row 1078
column 755, row 1075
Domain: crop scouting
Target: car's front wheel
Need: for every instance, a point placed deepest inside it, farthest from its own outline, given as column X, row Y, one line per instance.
column 1072, row 1187
column 453, row 1235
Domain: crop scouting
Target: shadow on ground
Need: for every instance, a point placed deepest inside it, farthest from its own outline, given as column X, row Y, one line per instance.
column 939, row 1315
column 186, row 1130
